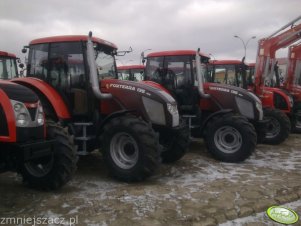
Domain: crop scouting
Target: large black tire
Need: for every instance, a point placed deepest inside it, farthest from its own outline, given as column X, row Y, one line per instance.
column 54, row 171
column 131, row 148
column 296, row 118
column 278, row 128
column 230, row 138
column 175, row 145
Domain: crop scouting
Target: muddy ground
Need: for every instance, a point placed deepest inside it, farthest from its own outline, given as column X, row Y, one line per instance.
column 197, row 190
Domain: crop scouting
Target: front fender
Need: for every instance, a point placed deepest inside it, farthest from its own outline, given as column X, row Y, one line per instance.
column 11, row 134
column 46, row 93
column 220, row 112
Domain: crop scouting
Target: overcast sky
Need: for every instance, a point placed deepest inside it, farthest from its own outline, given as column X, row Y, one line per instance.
column 149, row 24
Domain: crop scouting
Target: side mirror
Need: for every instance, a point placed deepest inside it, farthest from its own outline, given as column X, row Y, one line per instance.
column 24, row 50
column 21, row 65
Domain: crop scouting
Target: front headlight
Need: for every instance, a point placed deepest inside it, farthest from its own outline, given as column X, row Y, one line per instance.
column 21, row 114
column 173, row 110
column 259, row 108
column 40, row 115
column 155, row 110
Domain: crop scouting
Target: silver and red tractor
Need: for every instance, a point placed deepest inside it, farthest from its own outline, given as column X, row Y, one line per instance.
column 74, row 77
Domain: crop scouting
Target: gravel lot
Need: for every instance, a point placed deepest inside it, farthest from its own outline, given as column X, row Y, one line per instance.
column 196, row 190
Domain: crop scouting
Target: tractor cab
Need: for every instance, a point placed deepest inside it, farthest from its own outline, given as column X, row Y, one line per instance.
column 176, row 72
column 8, row 66
column 230, row 72
column 61, row 62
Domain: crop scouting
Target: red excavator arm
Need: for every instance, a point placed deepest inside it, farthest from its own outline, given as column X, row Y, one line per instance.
column 267, row 48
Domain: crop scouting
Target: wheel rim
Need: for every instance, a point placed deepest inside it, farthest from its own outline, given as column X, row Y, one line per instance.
column 124, row 150
column 40, row 167
column 273, row 128
column 228, row 139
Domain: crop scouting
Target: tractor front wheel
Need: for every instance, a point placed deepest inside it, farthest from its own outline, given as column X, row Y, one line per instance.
column 131, row 148
column 52, row 171
column 230, row 138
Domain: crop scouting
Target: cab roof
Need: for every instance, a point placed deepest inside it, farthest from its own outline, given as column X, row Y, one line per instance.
column 6, row 54
column 223, row 62
column 128, row 67
column 176, row 53
column 71, row 38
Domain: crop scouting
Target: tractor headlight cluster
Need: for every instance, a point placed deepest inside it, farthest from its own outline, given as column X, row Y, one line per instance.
column 258, row 105
column 173, row 110
column 23, row 117
column 21, row 113
column 259, row 108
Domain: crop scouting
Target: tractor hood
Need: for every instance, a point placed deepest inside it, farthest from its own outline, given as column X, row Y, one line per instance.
column 232, row 97
column 19, row 93
column 153, row 103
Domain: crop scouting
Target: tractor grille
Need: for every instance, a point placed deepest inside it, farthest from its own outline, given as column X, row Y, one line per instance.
column 30, row 133
column 3, row 123
column 32, row 112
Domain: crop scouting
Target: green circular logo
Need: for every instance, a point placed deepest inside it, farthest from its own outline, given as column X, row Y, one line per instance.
column 282, row 215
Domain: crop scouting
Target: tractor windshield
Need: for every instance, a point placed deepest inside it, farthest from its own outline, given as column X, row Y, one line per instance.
column 61, row 64
column 105, row 62
column 131, row 74
column 225, row 74
column 172, row 72
column 8, row 68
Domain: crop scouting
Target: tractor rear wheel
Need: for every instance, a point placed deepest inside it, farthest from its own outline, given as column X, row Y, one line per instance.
column 230, row 138
column 53, row 171
column 278, row 128
column 131, row 148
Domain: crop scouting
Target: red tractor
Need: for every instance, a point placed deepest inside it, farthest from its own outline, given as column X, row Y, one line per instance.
column 266, row 83
column 43, row 154
column 8, row 65
column 72, row 75
column 131, row 72
column 217, row 112
column 234, row 72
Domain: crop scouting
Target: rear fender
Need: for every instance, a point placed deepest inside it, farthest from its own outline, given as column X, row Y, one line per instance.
column 48, row 96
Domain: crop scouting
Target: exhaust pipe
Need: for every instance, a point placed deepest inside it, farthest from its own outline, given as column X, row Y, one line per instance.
column 93, row 72
column 200, row 76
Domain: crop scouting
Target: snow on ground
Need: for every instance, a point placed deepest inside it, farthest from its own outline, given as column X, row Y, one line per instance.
column 178, row 191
